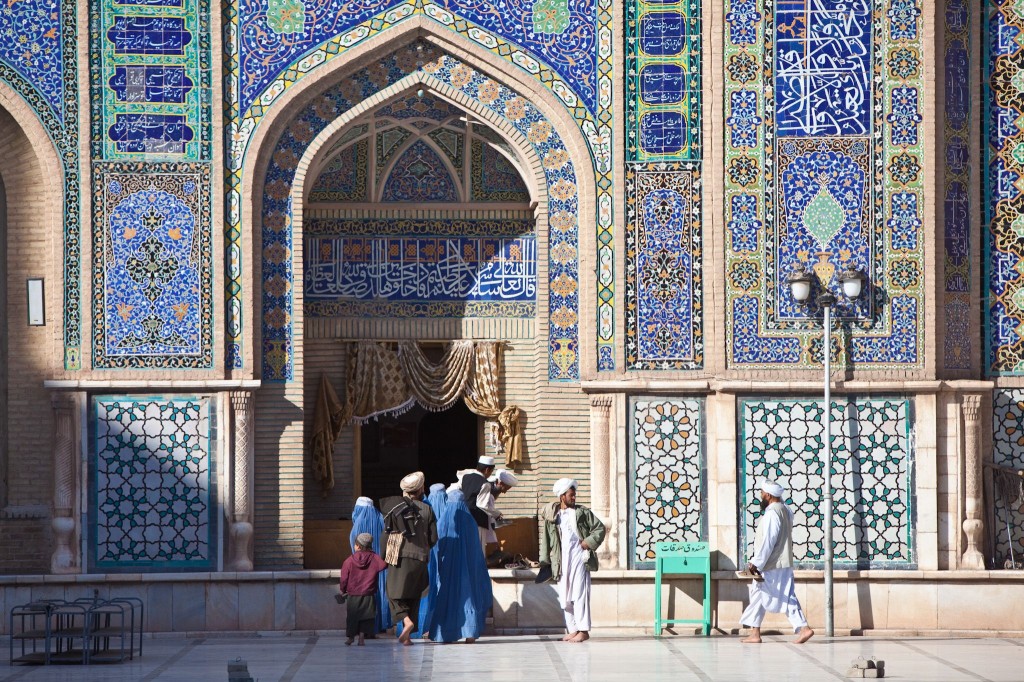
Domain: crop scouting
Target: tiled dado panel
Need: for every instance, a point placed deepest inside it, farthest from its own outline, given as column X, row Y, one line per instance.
column 1004, row 199
column 513, row 109
column 872, row 473
column 957, row 193
column 1008, row 451
column 420, row 267
column 153, row 270
column 667, row 475
column 152, row 497
column 823, row 164
column 664, row 282
column 566, row 47
column 150, row 77
column 39, row 61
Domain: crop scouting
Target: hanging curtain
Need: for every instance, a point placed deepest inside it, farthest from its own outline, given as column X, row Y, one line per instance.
column 384, row 382
column 327, row 423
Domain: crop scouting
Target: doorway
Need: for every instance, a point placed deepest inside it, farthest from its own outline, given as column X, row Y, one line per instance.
column 436, row 443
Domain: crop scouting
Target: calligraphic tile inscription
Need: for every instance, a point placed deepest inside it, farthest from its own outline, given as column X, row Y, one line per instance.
column 958, row 341
column 782, row 440
column 1008, row 451
column 667, row 475
column 520, row 115
column 664, row 280
column 823, row 168
column 420, row 268
column 39, row 61
column 665, row 325
column 565, row 47
column 153, row 272
column 152, row 490
column 1004, row 200
column 151, row 79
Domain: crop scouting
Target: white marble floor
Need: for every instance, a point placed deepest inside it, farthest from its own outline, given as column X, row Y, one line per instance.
column 303, row 658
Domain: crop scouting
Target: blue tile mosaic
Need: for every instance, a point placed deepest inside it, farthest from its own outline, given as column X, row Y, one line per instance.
column 420, row 175
column 32, row 45
column 872, row 475
column 152, row 485
column 1008, row 517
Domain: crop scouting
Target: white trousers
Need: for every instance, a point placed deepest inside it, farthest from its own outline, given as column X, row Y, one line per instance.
column 754, row 614
column 577, row 610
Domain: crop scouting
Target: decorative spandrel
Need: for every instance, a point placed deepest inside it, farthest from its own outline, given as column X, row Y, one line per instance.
column 872, row 477
column 666, row 475
column 152, row 495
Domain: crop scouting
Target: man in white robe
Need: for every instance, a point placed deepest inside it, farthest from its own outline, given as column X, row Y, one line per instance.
column 773, row 563
column 480, row 488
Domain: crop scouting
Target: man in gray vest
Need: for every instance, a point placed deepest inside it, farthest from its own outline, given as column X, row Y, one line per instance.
column 772, row 567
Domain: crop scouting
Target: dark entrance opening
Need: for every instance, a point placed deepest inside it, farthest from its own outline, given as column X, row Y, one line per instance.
column 436, row 443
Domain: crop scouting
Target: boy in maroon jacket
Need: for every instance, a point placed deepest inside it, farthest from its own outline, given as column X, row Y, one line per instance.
column 359, row 583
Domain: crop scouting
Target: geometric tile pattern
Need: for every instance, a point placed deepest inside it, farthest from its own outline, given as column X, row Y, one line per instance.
column 153, row 503
column 568, row 52
column 667, row 475
column 872, row 477
column 521, row 115
column 151, row 79
column 1008, row 451
column 957, row 196
column 1004, row 200
column 664, row 318
column 494, row 176
column 39, row 60
column 344, row 177
column 663, row 80
column 419, row 174
column 664, row 292
column 823, row 166
column 153, row 270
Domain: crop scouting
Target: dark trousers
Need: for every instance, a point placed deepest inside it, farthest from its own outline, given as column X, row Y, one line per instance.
column 361, row 615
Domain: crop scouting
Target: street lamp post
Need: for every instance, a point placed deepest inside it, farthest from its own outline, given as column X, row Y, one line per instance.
column 800, row 283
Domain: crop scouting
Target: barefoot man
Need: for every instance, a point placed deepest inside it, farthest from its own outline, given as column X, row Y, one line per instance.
column 569, row 545
column 773, row 559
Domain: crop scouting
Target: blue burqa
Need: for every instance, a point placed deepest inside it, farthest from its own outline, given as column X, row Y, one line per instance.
column 438, row 500
column 463, row 584
column 366, row 519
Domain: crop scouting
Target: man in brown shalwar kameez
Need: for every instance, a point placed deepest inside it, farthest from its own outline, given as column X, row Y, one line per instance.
column 411, row 530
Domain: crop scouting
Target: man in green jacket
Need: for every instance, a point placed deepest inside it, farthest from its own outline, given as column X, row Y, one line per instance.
column 569, row 545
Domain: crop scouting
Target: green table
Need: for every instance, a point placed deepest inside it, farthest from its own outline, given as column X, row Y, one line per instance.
column 685, row 558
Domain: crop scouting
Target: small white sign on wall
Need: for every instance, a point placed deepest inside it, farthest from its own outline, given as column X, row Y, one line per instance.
column 36, row 303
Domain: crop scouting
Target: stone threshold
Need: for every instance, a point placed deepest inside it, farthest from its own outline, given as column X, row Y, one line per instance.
column 505, row 575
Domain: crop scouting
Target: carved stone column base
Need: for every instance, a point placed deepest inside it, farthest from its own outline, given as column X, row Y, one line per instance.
column 239, row 543
column 62, row 561
column 972, row 558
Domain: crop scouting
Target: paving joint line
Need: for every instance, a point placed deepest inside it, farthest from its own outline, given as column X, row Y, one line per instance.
column 427, row 665
column 799, row 649
column 694, row 668
column 556, row 660
column 300, row 658
column 943, row 661
column 163, row 667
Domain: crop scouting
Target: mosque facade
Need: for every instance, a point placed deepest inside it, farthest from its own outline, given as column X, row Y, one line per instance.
column 208, row 209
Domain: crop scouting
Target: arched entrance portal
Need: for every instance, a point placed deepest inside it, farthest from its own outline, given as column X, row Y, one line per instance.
column 308, row 192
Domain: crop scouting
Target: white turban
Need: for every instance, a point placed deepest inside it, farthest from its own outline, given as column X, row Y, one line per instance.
column 364, row 502
column 562, row 485
column 437, row 488
column 773, row 489
column 485, row 461
column 506, row 477
column 413, row 482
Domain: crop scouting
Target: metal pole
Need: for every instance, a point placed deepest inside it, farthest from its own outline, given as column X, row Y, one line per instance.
column 827, row 419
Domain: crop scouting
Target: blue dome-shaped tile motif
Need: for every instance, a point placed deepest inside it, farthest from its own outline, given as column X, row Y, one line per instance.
column 420, row 175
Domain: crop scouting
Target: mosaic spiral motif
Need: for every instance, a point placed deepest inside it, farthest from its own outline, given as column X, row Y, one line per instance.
column 524, row 117
column 420, row 175
column 153, row 505
column 823, row 166
column 783, row 440
column 1008, row 451
column 667, row 480
column 1004, row 201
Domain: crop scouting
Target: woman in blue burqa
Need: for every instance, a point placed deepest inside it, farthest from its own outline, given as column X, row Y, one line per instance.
column 438, row 500
column 463, row 584
column 366, row 519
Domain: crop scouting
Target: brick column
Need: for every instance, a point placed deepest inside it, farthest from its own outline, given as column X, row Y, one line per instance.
column 65, row 558
column 600, row 474
column 973, row 525
column 240, row 549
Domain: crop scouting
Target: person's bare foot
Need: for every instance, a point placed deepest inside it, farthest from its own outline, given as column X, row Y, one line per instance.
column 568, row 636
column 470, row 640
column 348, row 642
column 407, row 628
column 752, row 639
column 361, row 641
column 805, row 634
column 580, row 636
